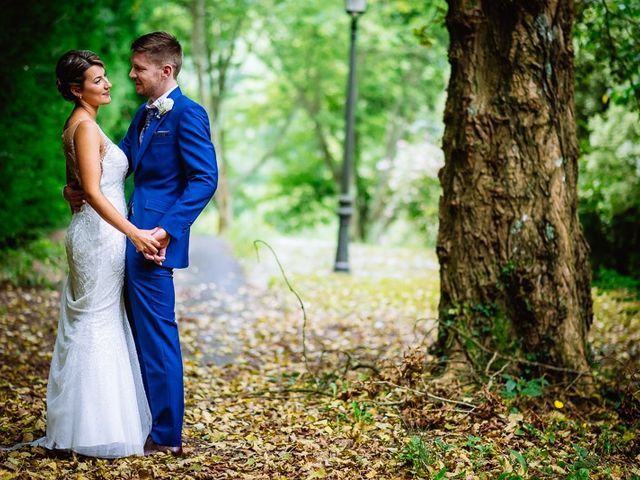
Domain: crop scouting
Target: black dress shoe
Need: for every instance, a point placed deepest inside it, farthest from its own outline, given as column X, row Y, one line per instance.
column 151, row 447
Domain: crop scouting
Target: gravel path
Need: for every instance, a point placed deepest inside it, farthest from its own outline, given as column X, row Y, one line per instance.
column 212, row 292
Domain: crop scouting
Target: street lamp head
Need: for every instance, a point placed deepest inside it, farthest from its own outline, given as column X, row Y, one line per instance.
column 355, row 6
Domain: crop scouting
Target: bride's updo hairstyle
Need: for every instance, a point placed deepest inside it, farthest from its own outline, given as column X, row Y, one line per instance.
column 70, row 71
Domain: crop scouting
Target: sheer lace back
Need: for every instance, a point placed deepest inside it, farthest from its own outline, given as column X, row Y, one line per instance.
column 87, row 229
column 109, row 152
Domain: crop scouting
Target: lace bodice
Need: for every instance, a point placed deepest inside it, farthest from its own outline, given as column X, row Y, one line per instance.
column 87, row 229
column 113, row 161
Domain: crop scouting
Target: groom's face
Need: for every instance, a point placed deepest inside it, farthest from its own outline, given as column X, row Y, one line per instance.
column 146, row 74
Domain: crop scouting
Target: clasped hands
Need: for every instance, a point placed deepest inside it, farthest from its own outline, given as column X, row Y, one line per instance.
column 157, row 250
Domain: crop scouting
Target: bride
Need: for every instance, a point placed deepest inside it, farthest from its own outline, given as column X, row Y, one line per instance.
column 96, row 404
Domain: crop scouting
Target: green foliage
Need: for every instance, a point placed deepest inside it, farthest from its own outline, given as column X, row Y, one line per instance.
column 509, row 476
column 291, row 106
column 301, row 198
column 440, row 474
column 607, row 105
column 417, row 456
column 606, row 36
column 238, row 237
column 481, row 329
column 521, row 461
column 610, row 191
column 40, row 262
column 515, row 387
column 506, row 273
column 32, row 169
column 422, row 207
column 476, row 444
column 581, row 466
column 360, row 413
column 608, row 279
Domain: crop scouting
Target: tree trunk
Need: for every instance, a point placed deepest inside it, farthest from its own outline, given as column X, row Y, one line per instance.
column 205, row 71
column 198, row 13
column 223, row 197
column 514, row 265
column 217, row 75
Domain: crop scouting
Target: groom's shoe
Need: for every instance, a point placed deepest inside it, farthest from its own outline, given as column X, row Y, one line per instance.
column 151, row 447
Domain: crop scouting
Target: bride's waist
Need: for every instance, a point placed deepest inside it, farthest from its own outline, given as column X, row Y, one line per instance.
column 87, row 213
column 113, row 191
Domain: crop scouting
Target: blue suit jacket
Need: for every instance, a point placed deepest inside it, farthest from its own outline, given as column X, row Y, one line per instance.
column 174, row 173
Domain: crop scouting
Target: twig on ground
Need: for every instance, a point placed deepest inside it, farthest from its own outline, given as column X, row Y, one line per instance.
column 516, row 359
column 429, row 331
column 282, row 391
column 502, row 369
column 573, row 382
column 304, row 312
column 487, row 369
column 427, row 394
column 350, row 364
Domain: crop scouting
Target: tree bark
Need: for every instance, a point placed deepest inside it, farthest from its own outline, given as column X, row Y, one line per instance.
column 217, row 78
column 198, row 13
column 514, row 265
column 206, row 75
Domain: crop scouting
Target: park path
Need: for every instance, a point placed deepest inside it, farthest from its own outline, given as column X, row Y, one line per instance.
column 221, row 300
column 211, row 263
column 212, row 292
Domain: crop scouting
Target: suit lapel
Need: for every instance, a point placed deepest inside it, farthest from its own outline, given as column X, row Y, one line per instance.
column 135, row 146
column 148, row 135
column 153, row 127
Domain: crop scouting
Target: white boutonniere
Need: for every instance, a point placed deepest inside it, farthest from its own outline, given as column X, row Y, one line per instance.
column 164, row 106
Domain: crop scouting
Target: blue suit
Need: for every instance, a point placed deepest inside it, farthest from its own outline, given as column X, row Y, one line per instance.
column 175, row 175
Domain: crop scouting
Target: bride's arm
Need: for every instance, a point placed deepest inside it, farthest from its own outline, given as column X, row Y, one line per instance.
column 87, row 141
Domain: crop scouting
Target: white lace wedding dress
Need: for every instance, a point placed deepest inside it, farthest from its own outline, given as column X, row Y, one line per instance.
column 96, row 404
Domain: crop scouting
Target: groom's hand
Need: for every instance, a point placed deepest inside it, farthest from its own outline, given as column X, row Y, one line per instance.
column 75, row 196
column 161, row 235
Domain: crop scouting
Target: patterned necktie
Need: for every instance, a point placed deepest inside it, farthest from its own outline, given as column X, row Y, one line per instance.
column 150, row 112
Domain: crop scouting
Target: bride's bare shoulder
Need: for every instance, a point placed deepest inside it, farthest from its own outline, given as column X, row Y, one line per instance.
column 85, row 129
column 87, row 140
column 74, row 120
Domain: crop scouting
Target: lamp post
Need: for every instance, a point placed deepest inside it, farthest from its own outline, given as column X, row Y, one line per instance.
column 345, row 209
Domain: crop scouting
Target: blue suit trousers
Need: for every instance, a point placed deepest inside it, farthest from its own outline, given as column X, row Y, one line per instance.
column 150, row 301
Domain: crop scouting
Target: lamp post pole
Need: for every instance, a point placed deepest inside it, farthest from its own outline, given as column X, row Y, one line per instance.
column 345, row 201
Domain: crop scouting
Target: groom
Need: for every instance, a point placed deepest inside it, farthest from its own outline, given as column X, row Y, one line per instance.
column 173, row 162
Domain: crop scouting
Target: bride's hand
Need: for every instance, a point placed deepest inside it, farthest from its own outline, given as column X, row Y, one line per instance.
column 164, row 238
column 144, row 241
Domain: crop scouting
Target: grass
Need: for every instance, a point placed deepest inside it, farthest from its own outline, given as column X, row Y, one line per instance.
column 37, row 263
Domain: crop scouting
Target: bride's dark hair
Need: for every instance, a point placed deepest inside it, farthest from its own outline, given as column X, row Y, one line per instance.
column 70, row 71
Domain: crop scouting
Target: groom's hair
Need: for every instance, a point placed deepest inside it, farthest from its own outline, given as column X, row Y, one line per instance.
column 162, row 48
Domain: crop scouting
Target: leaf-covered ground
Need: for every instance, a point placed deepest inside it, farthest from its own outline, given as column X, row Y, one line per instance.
column 340, row 389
